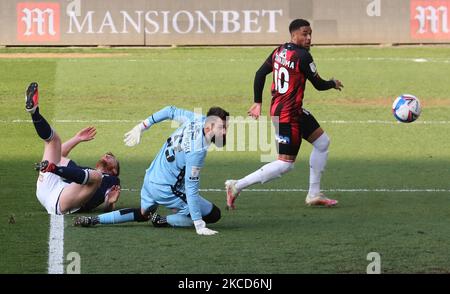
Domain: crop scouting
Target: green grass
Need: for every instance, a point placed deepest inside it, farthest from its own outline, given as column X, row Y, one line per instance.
column 269, row 232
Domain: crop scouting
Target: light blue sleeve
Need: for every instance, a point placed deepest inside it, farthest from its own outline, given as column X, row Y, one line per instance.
column 194, row 163
column 169, row 112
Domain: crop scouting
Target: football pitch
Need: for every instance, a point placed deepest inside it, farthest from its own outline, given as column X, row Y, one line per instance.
column 392, row 180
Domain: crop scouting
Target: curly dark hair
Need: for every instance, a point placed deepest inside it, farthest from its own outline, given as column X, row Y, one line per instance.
column 298, row 23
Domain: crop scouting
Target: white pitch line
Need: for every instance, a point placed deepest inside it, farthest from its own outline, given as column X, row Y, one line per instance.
column 395, row 59
column 19, row 121
column 56, row 245
column 346, row 59
column 97, row 121
column 382, row 122
column 216, row 60
column 385, row 122
column 426, row 190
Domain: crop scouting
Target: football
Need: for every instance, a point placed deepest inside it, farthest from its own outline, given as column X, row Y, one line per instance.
column 406, row 108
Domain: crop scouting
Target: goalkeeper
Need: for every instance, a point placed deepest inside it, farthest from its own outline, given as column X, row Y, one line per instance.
column 173, row 178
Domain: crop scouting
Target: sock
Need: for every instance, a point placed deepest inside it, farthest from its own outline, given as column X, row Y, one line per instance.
column 121, row 216
column 42, row 127
column 74, row 174
column 317, row 163
column 268, row 172
column 178, row 220
column 95, row 220
column 159, row 221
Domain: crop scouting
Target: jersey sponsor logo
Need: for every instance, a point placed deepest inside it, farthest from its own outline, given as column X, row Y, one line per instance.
column 195, row 173
column 282, row 140
column 312, row 66
column 186, row 145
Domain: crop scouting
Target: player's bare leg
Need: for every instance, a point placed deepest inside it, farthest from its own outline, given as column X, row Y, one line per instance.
column 75, row 195
column 318, row 160
column 84, row 184
column 52, row 149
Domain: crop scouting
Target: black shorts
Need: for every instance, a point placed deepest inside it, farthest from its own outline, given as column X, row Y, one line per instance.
column 289, row 135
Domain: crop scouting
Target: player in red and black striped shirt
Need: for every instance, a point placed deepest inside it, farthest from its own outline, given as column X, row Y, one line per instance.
column 291, row 65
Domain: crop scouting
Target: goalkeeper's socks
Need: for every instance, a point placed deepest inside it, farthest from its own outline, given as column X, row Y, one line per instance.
column 73, row 174
column 42, row 127
column 121, row 216
column 178, row 220
column 159, row 221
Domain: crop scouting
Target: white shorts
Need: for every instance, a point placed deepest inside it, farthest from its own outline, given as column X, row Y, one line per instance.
column 48, row 189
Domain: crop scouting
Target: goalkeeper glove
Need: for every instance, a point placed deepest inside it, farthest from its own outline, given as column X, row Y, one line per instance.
column 200, row 227
column 133, row 137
